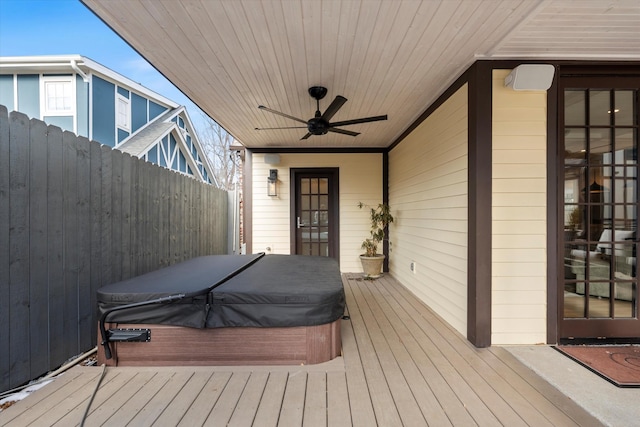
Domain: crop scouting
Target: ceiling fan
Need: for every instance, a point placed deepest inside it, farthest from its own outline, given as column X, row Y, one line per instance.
column 320, row 124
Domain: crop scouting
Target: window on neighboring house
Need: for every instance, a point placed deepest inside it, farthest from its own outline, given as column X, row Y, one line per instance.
column 123, row 112
column 58, row 97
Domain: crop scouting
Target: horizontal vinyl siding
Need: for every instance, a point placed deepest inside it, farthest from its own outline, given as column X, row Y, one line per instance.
column 428, row 192
column 360, row 179
column 519, row 212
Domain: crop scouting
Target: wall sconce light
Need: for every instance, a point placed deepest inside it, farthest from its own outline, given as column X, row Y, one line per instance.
column 272, row 181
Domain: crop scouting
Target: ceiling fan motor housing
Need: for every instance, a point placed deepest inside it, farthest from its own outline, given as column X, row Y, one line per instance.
column 318, row 126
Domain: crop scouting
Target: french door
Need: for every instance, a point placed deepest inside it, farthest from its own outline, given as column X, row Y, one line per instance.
column 598, row 124
column 314, row 209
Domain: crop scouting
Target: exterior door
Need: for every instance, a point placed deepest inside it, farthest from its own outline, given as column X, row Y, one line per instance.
column 315, row 212
column 598, row 123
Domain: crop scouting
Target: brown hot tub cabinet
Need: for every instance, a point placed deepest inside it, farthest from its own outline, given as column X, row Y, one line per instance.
column 224, row 310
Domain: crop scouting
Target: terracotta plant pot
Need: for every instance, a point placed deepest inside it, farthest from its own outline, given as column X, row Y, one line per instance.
column 372, row 265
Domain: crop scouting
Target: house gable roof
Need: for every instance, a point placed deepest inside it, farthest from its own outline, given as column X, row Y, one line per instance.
column 145, row 138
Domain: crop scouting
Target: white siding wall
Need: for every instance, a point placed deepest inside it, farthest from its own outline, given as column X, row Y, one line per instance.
column 428, row 196
column 360, row 180
column 519, row 215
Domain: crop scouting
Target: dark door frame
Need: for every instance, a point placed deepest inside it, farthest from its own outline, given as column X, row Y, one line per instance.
column 334, row 212
column 555, row 321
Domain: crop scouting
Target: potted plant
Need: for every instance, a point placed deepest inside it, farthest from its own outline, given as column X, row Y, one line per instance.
column 372, row 261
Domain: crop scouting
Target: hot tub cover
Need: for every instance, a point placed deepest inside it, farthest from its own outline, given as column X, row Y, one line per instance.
column 264, row 291
column 194, row 278
column 280, row 290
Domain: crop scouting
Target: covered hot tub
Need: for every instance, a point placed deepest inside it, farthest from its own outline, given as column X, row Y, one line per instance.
column 225, row 309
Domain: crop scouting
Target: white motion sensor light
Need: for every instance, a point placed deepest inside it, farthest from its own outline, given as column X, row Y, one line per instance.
column 530, row 77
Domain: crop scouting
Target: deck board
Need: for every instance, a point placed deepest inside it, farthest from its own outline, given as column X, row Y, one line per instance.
column 168, row 391
column 198, row 412
column 110, row 384
column 494, row 405
column 315, row 403
column 226, row 404
column 247, row 406
column 293, row 401
column 337, row 400
column 271, row 402
column 385, row 410
column 179, row 406
column 359, row 398
column 36, row 411
column 471, row 409
column 404, row 400
column 401, row 365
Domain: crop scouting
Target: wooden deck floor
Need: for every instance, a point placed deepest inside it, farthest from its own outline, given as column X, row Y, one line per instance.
column 401, row 366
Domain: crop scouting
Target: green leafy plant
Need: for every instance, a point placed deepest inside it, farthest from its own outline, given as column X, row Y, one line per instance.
column 380, row 218
column 575, row 219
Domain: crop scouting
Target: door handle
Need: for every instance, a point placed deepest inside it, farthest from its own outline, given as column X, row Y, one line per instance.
column 299, row 224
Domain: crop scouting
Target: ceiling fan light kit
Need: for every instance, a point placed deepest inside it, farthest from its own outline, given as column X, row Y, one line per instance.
column 320, row 123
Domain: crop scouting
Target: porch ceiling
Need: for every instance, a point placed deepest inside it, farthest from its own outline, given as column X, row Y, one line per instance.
column 386, row 57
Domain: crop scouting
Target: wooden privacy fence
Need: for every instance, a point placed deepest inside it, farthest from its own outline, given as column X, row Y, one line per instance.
column 74, row 216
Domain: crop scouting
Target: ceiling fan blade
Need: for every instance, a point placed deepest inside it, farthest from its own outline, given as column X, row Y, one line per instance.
column 345, row 132
column 262, row 107
column 288, row 127
column 333, row 108
column 356, row 121
column 306, row 136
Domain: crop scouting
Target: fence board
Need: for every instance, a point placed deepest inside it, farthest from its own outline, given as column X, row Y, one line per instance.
column 154, row 176
column 164, row 233
column 145, row 235
column 136, row 248
column 186, row 213
column 173, row 213
column 55, row 247
column 95, row 176
column 19, row 248
column 198, row 218
column 105, row 191
column 5, row 304
column 148, row 213
column 116, row 215
column 75, row 216
column 70, row 232
column 83, row 229
column 38, row 286
column 126, row 216
column 135, row 220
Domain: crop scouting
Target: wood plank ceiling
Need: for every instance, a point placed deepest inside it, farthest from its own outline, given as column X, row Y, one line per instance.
column 385, row 56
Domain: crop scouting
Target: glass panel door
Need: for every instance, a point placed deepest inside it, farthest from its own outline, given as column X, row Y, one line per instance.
column 599, row 295
column 315, row 214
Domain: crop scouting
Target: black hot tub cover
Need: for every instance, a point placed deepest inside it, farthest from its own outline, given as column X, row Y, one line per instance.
column 278, row 291
column 194, row 278
column 232, row 290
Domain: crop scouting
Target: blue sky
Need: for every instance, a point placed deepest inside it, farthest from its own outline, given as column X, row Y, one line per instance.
column 67, row 27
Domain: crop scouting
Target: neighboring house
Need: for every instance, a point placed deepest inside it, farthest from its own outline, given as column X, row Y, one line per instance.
column 79, row 95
